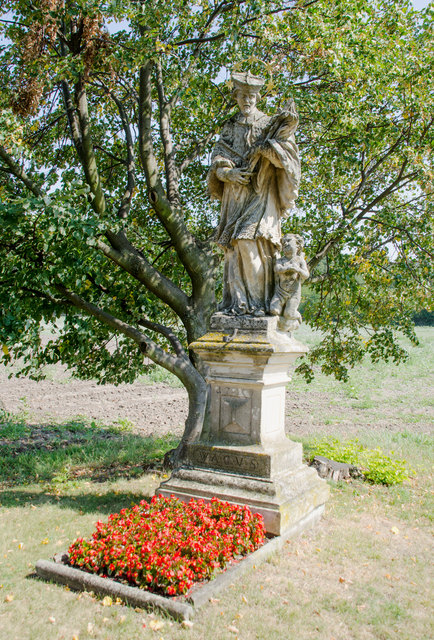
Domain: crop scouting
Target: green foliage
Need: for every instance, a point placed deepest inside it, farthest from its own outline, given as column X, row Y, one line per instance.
column 424, row 318
column 376, row 466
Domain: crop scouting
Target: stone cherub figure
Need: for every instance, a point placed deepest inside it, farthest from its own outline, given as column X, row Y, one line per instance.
column 291, row 271
column 255, row 173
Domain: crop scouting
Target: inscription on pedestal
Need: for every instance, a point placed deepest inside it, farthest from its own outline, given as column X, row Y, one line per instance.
column 225, row 460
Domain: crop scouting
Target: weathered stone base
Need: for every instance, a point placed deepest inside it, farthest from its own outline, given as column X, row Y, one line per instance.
column 243, row 455
column 271, row 481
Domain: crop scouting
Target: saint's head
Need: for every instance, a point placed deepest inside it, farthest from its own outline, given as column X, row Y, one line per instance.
column 246, row 88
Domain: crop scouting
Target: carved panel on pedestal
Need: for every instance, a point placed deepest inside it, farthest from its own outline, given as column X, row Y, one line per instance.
column 235, row 414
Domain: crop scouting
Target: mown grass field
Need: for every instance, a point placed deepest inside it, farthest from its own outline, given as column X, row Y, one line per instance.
column 364, row 573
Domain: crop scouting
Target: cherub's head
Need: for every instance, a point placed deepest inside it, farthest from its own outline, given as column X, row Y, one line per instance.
column 292, row 244
column 246, row 91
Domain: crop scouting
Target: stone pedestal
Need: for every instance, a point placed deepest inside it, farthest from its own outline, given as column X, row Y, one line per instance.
column 244, row 456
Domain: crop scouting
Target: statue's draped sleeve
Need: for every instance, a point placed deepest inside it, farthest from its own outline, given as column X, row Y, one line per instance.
column 282, row 151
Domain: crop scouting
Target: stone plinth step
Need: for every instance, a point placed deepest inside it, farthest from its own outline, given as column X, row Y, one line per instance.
column 282, row 500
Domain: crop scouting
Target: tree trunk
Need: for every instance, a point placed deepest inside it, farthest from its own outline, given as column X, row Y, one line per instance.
column 197, row 401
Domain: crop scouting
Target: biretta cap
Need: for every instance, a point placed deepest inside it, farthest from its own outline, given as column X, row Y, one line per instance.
column 244, row 79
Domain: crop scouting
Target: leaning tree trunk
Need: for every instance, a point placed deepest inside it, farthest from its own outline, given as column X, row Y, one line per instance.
column 197, row 390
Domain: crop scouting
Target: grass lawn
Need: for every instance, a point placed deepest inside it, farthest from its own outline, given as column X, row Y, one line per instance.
column 363, row 573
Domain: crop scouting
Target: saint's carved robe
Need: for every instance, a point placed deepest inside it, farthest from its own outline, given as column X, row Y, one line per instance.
column 249, row 230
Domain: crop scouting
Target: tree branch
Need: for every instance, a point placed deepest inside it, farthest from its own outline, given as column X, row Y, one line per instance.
column 131, row 168
column 201, row 39
column 343, row 227
column 368, row 170
column 19, row 173
column 167, row 333
column 195, row 260
column 401, row 230
column 178, row 365
column 166, row 138
column 74, row 125
column 317, row 279
column 87, row 153
column 129, row 258
column 111, row 155
column 147, row 346
column 198, row 148
column 146, row 149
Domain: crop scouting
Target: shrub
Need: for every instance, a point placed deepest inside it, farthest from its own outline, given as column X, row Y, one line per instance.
column 168, row 545
column 376, row 466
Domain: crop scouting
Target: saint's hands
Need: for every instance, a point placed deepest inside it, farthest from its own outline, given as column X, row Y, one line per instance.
column 237, row 176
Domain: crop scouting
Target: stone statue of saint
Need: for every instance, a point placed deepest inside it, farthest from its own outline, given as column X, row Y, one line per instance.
column 291, row 271
column 255, row 173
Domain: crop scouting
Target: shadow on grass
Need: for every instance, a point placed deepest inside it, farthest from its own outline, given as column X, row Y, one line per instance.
column 108, row 502
column 56, row 454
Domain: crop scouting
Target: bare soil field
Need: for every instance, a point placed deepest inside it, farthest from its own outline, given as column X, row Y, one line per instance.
column 150, row 408
column 325, row 406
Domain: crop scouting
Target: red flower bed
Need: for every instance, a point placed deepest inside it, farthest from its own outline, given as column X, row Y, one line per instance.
column 167, row 545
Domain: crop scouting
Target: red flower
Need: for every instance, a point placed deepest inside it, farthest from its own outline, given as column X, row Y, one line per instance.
column 168, row 545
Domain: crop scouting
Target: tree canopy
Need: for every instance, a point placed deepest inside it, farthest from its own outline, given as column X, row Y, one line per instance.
column 108, row 113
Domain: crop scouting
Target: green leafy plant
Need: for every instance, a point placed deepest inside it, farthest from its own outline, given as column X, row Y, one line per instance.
column 376, row 466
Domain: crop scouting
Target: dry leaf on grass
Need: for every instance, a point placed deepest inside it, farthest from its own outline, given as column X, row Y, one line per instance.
column 233, row 629
column 187, row 624
column 156, row 624
column 107, row 601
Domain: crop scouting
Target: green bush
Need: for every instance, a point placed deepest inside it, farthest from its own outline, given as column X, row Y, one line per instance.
column 376, row 466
